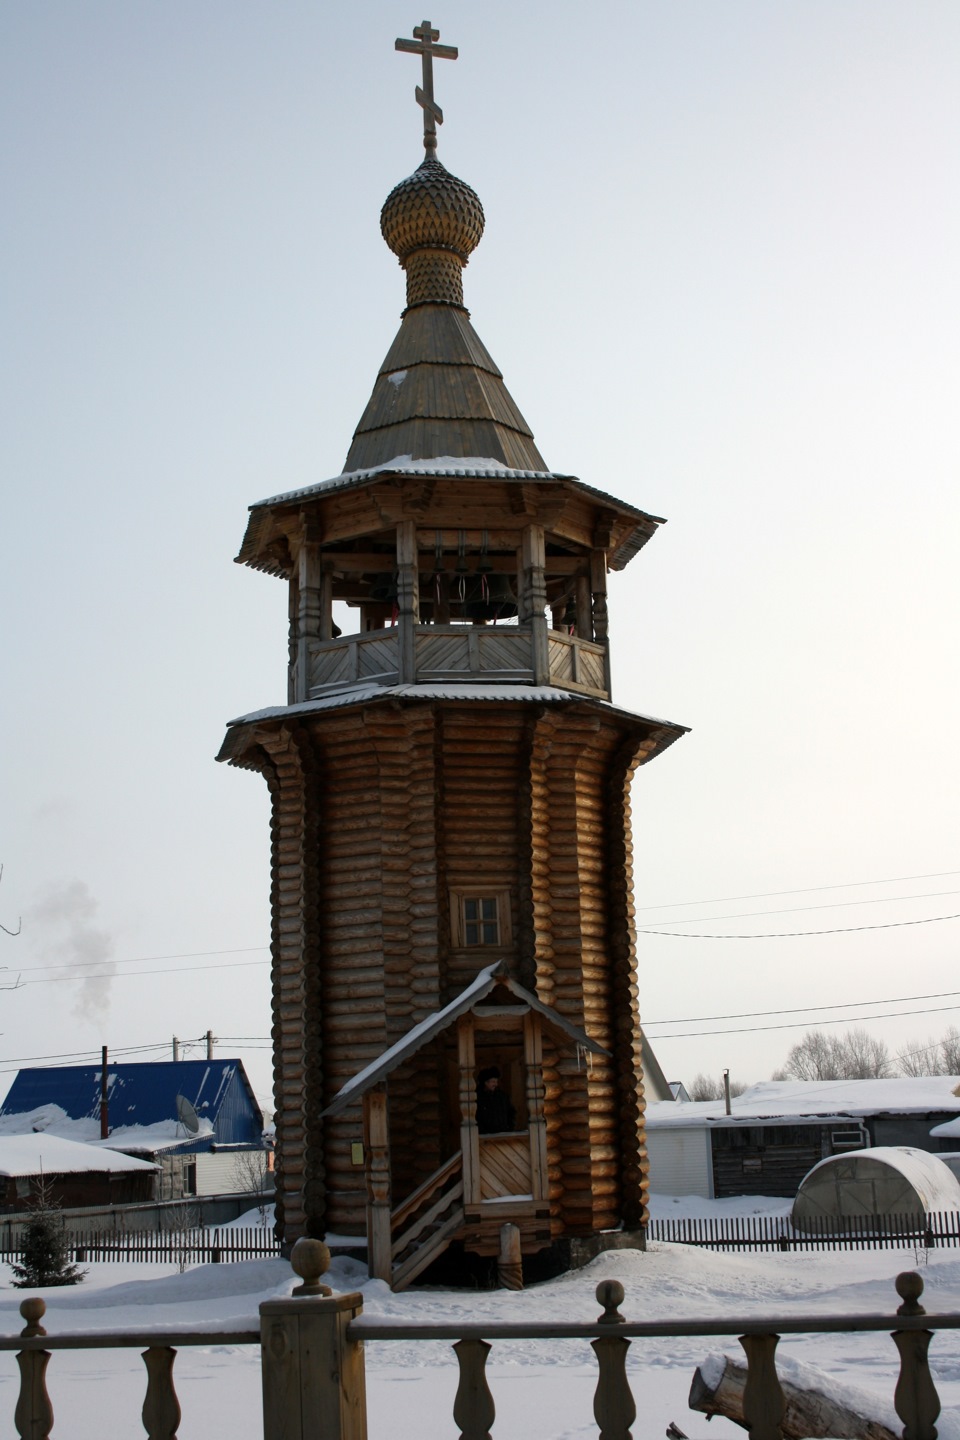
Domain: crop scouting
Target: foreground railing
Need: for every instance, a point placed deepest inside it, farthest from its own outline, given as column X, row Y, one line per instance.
column 312, row 1348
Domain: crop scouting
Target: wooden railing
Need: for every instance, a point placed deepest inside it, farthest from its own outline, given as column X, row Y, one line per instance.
column 432, row 1214
column 489, row 654
column 312, row 1349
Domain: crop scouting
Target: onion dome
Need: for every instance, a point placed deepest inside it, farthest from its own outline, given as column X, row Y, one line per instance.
column 433, row 223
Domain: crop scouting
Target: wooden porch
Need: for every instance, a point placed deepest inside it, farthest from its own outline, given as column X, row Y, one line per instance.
column 490, row 1180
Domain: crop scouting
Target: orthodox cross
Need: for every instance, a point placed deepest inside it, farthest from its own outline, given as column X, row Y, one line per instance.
column 423, row 44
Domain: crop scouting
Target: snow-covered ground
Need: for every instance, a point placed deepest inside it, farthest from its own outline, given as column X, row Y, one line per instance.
column 543, row 1390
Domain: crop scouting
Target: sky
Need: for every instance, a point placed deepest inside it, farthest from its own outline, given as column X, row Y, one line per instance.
column 719, row 275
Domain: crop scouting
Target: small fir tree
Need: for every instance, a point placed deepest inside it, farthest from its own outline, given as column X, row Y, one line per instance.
column 44, row 1259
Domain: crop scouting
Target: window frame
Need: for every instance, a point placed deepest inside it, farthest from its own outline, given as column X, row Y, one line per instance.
column 458, row 921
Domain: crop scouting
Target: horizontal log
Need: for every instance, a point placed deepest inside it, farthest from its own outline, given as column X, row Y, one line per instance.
column 812, row 1410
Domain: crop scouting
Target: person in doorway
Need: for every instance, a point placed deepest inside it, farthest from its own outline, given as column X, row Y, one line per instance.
column 495, row 1110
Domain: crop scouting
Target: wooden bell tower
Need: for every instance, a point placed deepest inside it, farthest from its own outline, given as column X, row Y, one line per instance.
column 452, row 878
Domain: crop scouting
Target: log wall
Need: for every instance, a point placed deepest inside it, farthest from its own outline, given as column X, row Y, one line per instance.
column 379, row 810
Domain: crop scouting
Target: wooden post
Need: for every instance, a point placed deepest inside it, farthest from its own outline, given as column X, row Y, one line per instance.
column 376, row 1141
column 533, row 600
column 326, row 602
column 313, row 1375
column 915, row 1399
column 293, row 650
column 473, row 1408
column 309, row 606
column 161, row 1408
column 408, row 598
column 533, row 1062
column 469, row 1134
column 510, row 1259
column 613, row 1405
column 584, row 607
column 763, row 1399
column 601, row 629
column 33, row 1416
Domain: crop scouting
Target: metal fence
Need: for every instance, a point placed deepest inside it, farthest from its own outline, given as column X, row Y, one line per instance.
column 777, row 1232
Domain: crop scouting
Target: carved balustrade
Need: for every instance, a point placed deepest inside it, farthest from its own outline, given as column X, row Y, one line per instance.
column 312, row 1348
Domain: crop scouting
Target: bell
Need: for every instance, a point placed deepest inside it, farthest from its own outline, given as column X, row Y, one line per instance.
column 383, row 591
column 489, row 597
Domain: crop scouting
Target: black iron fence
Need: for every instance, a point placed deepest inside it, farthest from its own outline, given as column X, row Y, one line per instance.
column 777, row 1232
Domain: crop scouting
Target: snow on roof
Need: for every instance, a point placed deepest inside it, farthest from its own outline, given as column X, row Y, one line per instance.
column 51, row 1154
column 785, row 1100
column 425, row 1029
column 361, row 693
column 933, row 1182
column 480, row 467
column 52, row 1120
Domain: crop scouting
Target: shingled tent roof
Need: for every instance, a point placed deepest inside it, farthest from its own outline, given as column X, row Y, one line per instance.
column 438, row 391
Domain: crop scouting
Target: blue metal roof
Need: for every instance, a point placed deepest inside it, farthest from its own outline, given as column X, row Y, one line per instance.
column 145, row 1093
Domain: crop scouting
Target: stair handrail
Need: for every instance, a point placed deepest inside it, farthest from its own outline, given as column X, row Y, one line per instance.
column 423, row 1192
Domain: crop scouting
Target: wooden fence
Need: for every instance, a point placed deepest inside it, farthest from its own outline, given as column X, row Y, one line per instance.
column 777, row 1232
column 192, row 1246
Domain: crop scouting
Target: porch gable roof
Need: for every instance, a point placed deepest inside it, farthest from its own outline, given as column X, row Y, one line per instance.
column 486, row 981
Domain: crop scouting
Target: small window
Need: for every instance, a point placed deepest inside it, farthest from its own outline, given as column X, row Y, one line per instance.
column 479, row 919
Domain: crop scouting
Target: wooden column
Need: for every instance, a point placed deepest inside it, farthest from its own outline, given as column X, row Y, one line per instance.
column 293, row 625
column 309, row 607
column 533, row 1060
column 533, row 600
column 469, row 1134
column 601, row 630
column 408, row 598
column 326, row 602
column 584, row 608
column 376, row 1142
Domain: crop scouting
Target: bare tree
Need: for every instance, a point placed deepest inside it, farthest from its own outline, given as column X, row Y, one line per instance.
column 854, row 1055
column 252, row 1174
column 932, row 1057
column 708, row 1087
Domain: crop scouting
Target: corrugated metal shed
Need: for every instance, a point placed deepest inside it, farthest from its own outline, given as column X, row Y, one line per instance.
column 145, row 1094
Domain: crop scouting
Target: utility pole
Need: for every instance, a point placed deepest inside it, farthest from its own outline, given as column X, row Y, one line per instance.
column 176, row 1048
column 209, row 1044
column 104, row 1101
column 726, row 1090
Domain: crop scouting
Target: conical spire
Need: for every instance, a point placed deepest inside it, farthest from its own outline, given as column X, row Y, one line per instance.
column 438, row 392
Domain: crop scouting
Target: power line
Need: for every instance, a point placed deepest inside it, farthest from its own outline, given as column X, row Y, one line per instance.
column 806, row 890
column 146, row 959
column 805, row 1009
column 794, row 934
column 833, row 905
column 798, row 1024
column 138, row 974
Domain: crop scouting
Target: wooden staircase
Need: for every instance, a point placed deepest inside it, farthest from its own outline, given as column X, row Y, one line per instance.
column 422, row 1226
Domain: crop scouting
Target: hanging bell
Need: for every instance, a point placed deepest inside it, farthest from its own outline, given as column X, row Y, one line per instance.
column 383, row 591
column 489, row 597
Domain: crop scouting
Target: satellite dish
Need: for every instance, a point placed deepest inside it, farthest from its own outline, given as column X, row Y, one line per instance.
column 187, row 1116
